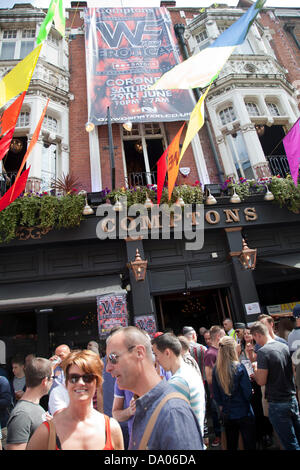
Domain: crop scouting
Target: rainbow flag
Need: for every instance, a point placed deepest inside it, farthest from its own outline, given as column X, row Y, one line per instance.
column 203, row 68
column 56, row 13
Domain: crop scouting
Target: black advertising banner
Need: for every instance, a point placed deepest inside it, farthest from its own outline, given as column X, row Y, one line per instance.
column 127, row 51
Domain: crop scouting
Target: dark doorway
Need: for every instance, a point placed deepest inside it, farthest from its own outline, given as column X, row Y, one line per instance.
column 194, row 308
column 134, row 157
column 155, row 150
column 14, row 157
column 271, row 140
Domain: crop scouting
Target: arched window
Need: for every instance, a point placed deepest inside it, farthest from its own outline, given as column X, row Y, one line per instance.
column 252, row 108
column 273, row 109
column 227, row 115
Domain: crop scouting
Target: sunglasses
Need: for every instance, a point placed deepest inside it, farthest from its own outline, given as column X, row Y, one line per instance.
column 113, row 357
column 87, row 378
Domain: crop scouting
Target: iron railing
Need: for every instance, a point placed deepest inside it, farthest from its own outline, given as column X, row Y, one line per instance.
column 279, row 165
column 141, row 178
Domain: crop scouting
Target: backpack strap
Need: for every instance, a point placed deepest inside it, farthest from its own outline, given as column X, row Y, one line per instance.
column 154, row 416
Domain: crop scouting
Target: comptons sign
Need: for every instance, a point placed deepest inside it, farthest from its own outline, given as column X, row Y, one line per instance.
column 166, row 222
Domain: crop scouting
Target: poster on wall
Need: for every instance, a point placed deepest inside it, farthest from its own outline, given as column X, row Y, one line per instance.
column 127, row 51
column 111, row 311
column 146, row 323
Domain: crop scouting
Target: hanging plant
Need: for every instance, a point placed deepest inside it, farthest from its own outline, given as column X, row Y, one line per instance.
column 40, row 210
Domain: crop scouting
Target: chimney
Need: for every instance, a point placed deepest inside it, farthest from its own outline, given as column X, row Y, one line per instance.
column 168, row 3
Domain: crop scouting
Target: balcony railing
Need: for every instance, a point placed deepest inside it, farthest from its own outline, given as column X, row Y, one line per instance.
column 141, row 178
column 279, row 165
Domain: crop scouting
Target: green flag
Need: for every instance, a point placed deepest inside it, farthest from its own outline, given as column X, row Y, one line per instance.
column 56, row 13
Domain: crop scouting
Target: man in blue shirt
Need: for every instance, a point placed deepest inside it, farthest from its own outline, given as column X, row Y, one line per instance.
column 129, row 360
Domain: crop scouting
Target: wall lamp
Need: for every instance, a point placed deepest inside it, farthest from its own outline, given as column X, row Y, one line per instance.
column 138, row 266
column 247, row 256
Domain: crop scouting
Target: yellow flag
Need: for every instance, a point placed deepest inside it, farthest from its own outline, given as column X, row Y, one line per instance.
column 195, row 123
column 18, row 79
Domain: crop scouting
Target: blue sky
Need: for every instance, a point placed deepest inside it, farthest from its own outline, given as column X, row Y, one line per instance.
column 147, row 3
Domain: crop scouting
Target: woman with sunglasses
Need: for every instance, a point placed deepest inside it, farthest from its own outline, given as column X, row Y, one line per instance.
column 80, row 426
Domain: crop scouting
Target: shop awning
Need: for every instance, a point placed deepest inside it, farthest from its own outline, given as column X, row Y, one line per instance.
column 48, row 293
column 292, row 260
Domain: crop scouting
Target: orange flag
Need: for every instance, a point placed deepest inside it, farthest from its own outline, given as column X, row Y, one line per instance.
column 173, row 161
column 10, row 116
column 14, row 191
column 5, row 143
column 33, row 141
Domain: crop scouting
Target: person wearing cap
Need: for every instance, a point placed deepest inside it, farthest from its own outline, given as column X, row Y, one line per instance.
column 239, row 329
column 197, row 350
column 228, row 327
column 294, row 336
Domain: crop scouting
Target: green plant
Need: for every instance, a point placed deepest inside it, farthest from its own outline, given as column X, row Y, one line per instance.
column 285, row 192
column 40, row 210
column 139, row 194
column 67, row 184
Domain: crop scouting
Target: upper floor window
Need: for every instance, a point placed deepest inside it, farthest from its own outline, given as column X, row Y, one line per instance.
column 23, row 119
column 202, row 36
column 273, row 109
column 252, row 109
column 227, row 115
column 50, row 123
column 16, row 44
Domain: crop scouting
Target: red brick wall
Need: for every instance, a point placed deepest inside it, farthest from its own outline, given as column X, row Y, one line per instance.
column 78, row 113
column 284, row 46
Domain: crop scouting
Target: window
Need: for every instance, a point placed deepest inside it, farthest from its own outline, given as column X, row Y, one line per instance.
column 273, row 109
column 50, row 123
column 23, row 119
column 240, row 155
column 143, row 146
column 48, row 172
column 227, row 115
column 17, row 44
column 202, row 36
column 252, row 109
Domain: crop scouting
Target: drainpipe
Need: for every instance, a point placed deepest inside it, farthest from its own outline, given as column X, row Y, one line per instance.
column 179, row 29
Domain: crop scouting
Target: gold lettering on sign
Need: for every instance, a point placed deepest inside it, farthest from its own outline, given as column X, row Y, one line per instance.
column 105, row 226
column 215, row 219
column 232, row 215
column 250, row 213
column 150, row 223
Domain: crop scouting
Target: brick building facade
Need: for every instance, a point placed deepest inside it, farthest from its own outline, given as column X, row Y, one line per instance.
column 48, row 286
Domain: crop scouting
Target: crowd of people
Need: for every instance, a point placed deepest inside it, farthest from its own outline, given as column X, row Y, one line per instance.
column 164, row 392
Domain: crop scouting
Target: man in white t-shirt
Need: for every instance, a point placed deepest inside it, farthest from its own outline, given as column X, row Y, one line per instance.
column 185, row 380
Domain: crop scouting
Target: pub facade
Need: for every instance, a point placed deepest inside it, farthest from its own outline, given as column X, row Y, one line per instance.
column 49, row 284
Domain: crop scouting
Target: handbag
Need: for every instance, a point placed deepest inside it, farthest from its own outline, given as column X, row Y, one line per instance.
column 154, row 416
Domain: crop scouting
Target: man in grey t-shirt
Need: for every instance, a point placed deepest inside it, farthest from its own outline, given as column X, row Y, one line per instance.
column 27, row 415
column 274, row 369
